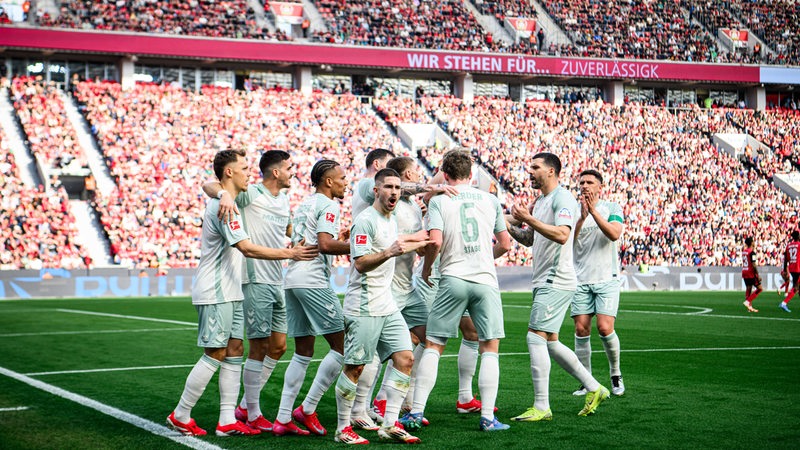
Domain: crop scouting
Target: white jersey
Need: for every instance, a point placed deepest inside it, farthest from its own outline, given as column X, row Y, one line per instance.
column 317, row 214
column 266, row 218
column 597, row 256
column 552, row 262
column 219, row 273
column 370, row 294
column 409, row 221
column 468, row 222
column 363, row 196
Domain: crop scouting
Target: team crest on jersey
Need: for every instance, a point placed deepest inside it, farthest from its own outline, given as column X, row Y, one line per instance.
column 565, row 213
column 234, row 225
column 330, row 217
column 361, row 239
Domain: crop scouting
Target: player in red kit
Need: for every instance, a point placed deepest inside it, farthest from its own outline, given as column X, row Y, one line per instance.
column 750, row 275
column 791, row 263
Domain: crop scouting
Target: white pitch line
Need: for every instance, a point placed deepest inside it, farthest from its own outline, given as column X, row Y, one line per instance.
column 113, row 369
column 152, row 427
column 703, row 312
column 121, row 316
column 58, row 333
column 18, row 408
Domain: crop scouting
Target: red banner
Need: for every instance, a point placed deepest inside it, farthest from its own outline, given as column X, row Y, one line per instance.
column 385, row 58
column 736, row 35
column 287, row 12
column 522, row 25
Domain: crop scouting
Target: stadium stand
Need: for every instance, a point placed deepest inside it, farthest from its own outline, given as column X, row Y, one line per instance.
column 36, row 228
column 777, row 23
column 227, row 18
column 159, row 142
column 41, row 112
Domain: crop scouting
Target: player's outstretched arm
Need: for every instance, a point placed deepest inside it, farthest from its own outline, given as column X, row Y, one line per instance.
column 227, row 205
column 297, row 253
column 332, row 246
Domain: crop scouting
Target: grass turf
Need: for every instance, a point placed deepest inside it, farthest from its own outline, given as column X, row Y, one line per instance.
column 700, row 372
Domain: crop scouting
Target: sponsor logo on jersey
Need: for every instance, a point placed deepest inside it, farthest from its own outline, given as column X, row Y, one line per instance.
column 330, row 217
column 565, row 213
column 234, row 225
column 361, row 239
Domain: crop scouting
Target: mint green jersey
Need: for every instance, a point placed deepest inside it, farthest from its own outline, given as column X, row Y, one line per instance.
column 597, row 256
column 409, row 221
column 219, row 273
column 370, row 293
column 317, row 214
column 266, row 218
column 363, row 196
column 552, row 262
column 468, row 222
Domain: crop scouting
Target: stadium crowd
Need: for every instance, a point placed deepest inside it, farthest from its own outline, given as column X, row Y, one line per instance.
column 36, row 228
column 167, row 137
column 50, row 134
column 210, row 18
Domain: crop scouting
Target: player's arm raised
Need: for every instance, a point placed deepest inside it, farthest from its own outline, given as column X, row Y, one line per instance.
column 297, row 253
column 556, row 233
column 612, row 230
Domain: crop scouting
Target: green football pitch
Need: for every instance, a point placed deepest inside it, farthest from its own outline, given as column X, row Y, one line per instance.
column 700, row 372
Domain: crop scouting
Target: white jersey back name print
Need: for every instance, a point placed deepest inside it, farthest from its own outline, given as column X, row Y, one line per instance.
column 468, row 222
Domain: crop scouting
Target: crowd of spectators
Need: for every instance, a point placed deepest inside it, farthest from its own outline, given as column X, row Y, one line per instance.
column 689, row 205
column 633, row 29
column 43, row 116
column 776, row 22
column 36, row 228
column 210, row 18
column 429, row 24
column 159, row 142
column 501, row 9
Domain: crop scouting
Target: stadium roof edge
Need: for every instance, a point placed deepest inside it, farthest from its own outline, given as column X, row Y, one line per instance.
column 416, row 60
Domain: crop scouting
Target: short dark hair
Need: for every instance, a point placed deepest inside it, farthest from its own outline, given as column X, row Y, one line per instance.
column 457, row 164
column 320, row 169
column 593, row 173
column 383, row 174
column 271, row 159
column 796, row 235
column 225, row 157
column 400, row 163
column 550, row 160
column 748, row 241
column 376, row 154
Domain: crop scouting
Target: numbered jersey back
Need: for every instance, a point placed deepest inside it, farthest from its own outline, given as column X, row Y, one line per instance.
column 468, row 223
column 792, row 256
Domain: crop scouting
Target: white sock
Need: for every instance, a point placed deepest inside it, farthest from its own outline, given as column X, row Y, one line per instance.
column 230, row 379
column 412, row 385
column 467, row 362
column 329, row 369
column 251, row 379
column 540, row 371
column 365, row 384
column 345, row 395
column 566, row 358
column 381, row 395
column 583, row 350
column 426, row 379
column 266, row 371
column 396, row 387
column 292, row 382
column 196, row 383
column 375, row 378
column 488, row 381
column 611, row 345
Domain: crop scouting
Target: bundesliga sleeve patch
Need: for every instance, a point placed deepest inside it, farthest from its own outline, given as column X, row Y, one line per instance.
column 361, row 239
column 565, row 213
column 330, row 217
column 234, row 225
